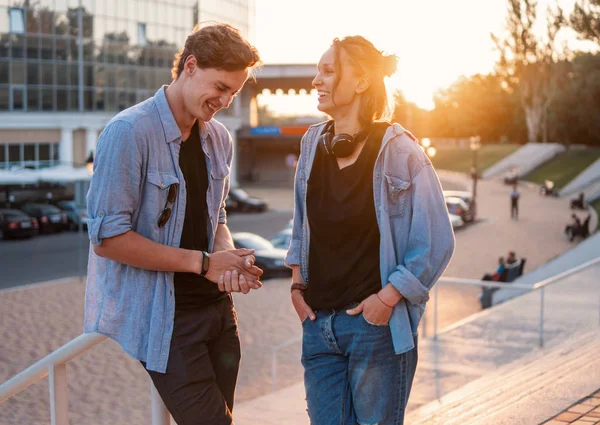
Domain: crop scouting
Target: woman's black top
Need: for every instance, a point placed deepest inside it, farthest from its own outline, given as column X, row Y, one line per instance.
column 343, row 263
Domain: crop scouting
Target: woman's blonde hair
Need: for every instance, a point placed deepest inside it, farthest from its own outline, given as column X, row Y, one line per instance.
column 373, row 63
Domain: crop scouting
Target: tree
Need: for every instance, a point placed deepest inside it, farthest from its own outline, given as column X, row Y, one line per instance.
column 585, row 19
column 527, row 63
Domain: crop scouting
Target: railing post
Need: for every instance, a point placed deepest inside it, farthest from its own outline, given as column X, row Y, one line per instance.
column 273, row 370
column 542, row 316
column 160, row 414
column 435, row 312
column 59, row 400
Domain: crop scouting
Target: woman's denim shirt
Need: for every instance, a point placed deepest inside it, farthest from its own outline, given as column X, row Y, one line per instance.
column 136, row 161
column 416, row 241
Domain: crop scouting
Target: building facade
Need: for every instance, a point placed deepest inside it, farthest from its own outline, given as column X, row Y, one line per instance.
column 68, row 66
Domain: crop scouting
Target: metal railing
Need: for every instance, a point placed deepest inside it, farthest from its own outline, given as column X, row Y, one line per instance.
column 54, row 365
column 467, row 282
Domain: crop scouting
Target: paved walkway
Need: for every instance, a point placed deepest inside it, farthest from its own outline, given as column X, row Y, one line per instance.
column 584, row 412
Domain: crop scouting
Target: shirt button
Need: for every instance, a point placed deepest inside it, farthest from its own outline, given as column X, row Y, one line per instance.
column 377, row 176
column 101, row 214
column 162, row 185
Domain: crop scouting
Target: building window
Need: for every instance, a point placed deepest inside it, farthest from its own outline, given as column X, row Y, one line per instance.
column 30, row 155
column 17, row 20
column 142, row 40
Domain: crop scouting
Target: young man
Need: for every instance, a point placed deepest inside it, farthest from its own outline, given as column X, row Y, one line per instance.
column 157, row 209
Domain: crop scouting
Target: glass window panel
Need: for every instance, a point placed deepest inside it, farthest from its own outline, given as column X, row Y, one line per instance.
column 132, row 77
column 54, row 152
column 99, row 99
column 47, row 73
column 17, row 20
column 88, row 50
column 62, row 76
column 18, row 99
column 18, row 46
column 29, row 152
column 88, row 75
column 33, row 98
column 111, row 76
column 122, row 77
column 62, row 49
column 14, row 153
column 111, row 100
column 33, row 47
column 46, row 48
column 121, row 100
column 46, row 18
column 74, row 49
column 44, row 152
column 33, row 73
column 18, row 72
column 100, row 77
column 88, row 100
column 2, row 155
column 32, row 21
column 73, row 100
column 141, row 34
column 62, row 99
column 47, row 99
column 131, row 99
column 74, row 71
column 3, row 98
column 61, row 23
column 3, row 72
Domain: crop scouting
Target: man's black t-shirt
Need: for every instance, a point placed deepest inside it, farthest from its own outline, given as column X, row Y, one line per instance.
column 344, row 235
column 192, row 289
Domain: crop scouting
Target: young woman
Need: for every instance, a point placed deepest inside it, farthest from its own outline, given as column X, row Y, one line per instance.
column 371, row 236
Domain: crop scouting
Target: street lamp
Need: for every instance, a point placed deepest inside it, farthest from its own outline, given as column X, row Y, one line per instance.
column 475, row 145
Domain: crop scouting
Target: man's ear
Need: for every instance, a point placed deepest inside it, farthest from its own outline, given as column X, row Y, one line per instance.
column 363, row 84
column 190, row 64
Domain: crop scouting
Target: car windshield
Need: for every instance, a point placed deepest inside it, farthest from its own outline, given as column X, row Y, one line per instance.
column 49, row 209
column 251, row 241
column 240, row 193
column 13, row 214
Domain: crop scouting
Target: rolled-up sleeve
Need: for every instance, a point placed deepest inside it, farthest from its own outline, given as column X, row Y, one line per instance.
column 116, row 183
column 430, row 242
column 293, row 255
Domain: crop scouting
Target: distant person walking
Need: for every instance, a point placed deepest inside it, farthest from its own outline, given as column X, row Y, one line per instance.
column 514, row 203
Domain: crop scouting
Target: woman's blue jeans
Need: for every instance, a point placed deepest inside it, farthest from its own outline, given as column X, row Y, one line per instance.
column 351, row 373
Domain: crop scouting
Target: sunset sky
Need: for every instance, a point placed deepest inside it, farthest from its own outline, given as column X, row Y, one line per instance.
column 437, row 41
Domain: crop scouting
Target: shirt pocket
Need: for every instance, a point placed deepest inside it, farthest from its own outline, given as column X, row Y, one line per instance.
column 158, row 188
column 398, row 192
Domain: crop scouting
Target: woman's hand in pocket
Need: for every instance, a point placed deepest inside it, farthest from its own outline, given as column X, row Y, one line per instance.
column 373, row 310
column 303, row 310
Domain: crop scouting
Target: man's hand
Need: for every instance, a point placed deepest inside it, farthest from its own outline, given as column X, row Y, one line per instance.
column 302, row 309
column 232, row 281
column 373, row 310
column 235, row 260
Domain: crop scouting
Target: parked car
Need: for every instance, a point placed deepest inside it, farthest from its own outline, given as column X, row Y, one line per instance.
column 282, row 239
column 268, row 258
column 460, row 208
column 467, row 197
column 456, row 221
column 49, row 217
column 17, row 224
column 240, row 201
column 75, row 215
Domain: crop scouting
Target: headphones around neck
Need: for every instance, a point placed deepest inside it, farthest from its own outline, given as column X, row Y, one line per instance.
column 341, row 145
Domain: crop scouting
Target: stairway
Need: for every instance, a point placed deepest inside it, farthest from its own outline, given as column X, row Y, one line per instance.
column 527, row 391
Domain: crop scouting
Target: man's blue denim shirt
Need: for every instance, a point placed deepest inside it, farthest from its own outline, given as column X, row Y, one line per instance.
column 416, row 241
column 137, row 159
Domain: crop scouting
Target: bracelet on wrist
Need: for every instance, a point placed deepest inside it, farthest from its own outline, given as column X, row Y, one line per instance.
column 383, row 302
column 300, row 286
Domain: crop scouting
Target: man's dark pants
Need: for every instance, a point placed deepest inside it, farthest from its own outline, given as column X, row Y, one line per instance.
column 199, row 385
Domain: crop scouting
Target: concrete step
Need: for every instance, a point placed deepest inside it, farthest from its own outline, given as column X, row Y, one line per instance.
column 526, row 391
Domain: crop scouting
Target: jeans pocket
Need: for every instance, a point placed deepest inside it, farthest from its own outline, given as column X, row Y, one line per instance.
column 377, row 325
column 305, row 320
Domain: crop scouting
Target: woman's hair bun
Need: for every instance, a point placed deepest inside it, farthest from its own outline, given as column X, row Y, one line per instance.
column 390, row 64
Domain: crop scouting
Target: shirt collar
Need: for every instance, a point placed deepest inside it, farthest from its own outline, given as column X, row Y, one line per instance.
column 172, row 132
